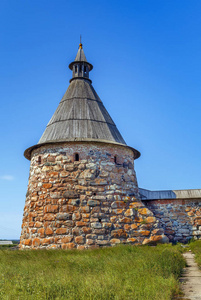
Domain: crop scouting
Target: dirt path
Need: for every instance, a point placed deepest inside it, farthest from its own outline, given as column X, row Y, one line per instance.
column 191, row 279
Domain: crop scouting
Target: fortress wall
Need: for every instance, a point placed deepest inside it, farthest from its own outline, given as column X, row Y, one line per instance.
column 87, row 203
column 180, row 218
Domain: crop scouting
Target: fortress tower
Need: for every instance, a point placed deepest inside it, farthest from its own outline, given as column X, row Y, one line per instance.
column 82, row 189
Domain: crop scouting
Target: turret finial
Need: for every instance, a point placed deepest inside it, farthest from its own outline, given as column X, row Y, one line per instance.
column 80, row 44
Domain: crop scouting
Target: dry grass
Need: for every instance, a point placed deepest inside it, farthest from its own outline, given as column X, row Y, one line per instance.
column 123, row 272
column 196, row 248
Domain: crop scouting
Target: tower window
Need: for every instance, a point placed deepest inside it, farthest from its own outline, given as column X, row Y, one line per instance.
column 85, row 69
column 115, row 159
column 75, row 69
column 39, row 160
column 80, row 68
column 76, row 157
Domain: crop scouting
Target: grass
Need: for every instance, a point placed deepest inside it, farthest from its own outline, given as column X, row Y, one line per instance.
column 123, row 272
column 196, row 248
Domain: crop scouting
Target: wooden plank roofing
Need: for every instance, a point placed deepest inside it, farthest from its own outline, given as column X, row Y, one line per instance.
column 81, row 115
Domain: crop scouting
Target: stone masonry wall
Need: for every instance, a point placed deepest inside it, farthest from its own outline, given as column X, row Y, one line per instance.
column 83, row 195
column 180, row 219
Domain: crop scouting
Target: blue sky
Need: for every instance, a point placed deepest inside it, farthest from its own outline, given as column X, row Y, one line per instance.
column 147, row 71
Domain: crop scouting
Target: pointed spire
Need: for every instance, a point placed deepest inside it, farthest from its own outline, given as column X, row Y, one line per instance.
column 80, row 54
column 80, row 44
column 80, row 65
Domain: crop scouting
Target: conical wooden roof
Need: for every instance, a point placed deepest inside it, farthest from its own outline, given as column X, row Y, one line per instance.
column 81, row 115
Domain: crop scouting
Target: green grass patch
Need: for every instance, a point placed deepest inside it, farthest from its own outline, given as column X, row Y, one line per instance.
column 123, row 272
column 196, row 249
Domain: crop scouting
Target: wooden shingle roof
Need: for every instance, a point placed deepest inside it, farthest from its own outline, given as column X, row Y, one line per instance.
column 81, row 115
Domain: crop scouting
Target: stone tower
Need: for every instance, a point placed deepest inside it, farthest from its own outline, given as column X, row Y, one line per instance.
column 82, row 189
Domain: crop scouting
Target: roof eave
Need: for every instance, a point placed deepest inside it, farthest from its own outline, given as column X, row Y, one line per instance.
column 90, row 66
column 28, row 151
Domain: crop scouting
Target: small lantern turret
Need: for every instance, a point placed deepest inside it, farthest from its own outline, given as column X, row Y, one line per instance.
column 80, row 65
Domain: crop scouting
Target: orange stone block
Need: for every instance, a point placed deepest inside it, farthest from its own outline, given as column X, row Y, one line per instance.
column 79, row 240
column 90, row 242
column 68, row 246
column 198, row 222
column 76, row 216
column 47, row 185
column 61, row 231
column 117, row 211
column 67, row 239
column 84, row 209
column 85, row 220
column 127, row 227
column 51, row 208
column 118, row 204
column 129, row 212
column 134, row 226
column 47, row 241
column 80, row 224
column 57, row 239
column 126, row 220
column 27, row 242
column 138, row 219
column 53, row 174
column 48, row 231
column 157, row 231
column 49, row 217
column 41, row 232
column 156, row 238
column 115, row 241
column 131, row 240
column 68, row 208
column 36, row 242
column 113, row 219
column 38, row 224
column 80, row 247
column 190, row 213
column 118, row 233
column 150, row 219
column 144, row 232
column 143, row 211
column 86, row 230
column 135, row 205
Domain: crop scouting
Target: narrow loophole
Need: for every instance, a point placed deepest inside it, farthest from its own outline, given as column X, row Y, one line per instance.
column 115, row 159
column 39, row 160
column 77, row 157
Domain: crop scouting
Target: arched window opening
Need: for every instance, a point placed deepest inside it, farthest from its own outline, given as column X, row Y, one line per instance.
column 85, row 69
column 75, row 69
column 76, row 158
column 80, row 68
column 39, row 160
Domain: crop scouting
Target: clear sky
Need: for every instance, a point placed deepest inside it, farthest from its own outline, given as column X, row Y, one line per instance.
column 147, row 71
